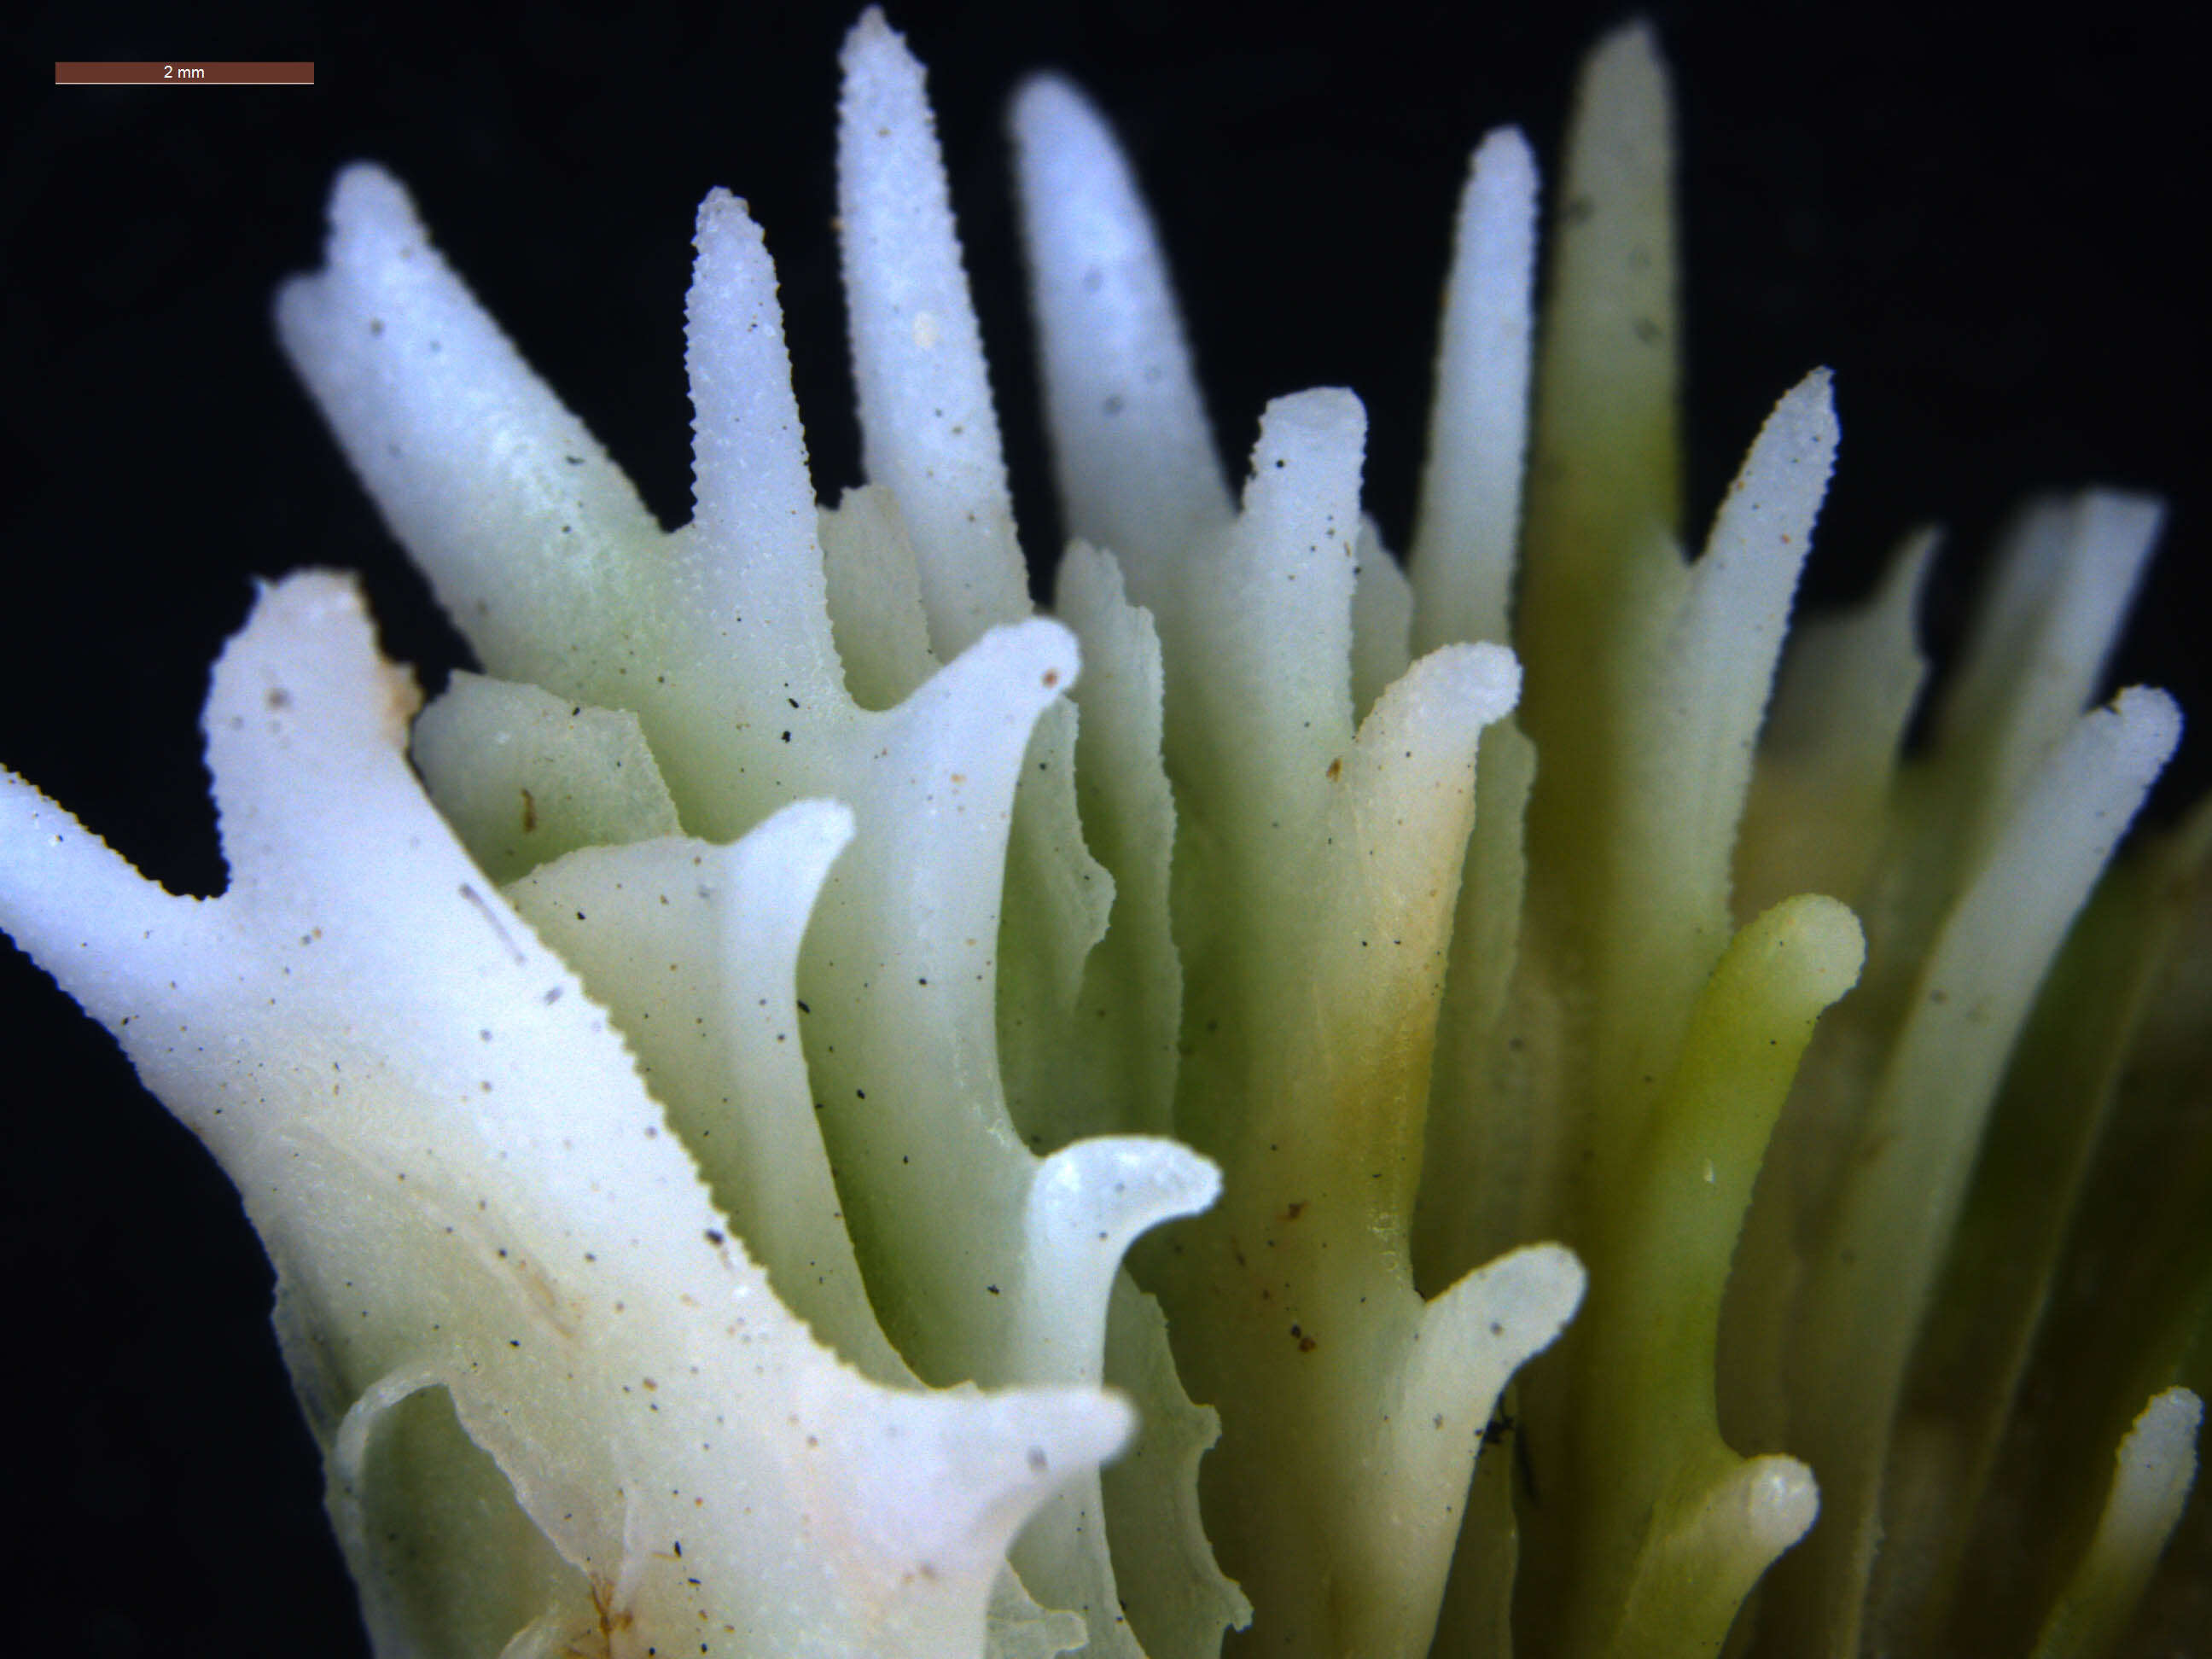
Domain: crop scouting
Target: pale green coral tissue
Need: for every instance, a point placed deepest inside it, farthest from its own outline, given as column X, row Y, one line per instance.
column 828, row 1113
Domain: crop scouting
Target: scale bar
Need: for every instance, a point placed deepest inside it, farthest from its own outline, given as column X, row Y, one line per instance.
column 201, row 74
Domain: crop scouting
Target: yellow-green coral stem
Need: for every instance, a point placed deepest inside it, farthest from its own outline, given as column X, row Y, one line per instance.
column 1603, row 491
column 1670, row 1526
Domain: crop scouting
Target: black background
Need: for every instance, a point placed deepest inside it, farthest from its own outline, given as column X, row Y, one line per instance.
column 1982, row 228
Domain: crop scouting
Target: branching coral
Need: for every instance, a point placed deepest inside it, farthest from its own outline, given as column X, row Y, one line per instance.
column 919, row 963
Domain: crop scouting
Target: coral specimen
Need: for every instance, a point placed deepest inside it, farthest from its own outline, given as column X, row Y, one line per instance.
column 826, row 825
